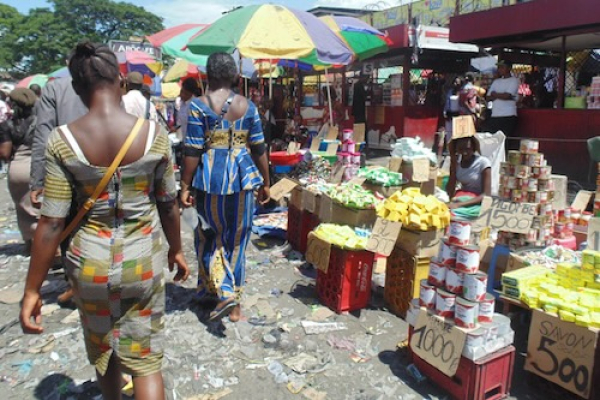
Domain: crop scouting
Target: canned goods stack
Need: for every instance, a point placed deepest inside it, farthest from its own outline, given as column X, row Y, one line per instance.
column 526, row 178
column 455, row 288
column 349, row 156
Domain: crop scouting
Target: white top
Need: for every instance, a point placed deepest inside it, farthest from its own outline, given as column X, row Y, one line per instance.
column 471, row 178
column 136, row 104
column 182, row 116
column 505, row 108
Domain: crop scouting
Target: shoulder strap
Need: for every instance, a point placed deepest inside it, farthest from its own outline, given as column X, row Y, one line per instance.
column 105, row 179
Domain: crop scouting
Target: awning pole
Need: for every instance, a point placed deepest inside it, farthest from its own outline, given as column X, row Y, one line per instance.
column 329, row 97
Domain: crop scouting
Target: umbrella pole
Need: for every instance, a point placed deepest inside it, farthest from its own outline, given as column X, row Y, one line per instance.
column 270, row 79
column 329, row 97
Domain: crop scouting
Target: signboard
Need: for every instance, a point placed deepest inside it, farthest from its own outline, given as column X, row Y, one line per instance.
column 438, row 38
column 367, row 68
column 463, row 127
column 438, row 342
column 119, row 46
column 359, row 133
column 318, row 252
column 315, row 144
column 332, row 133
column 593, row 236
column 562, row 352
column 282, row 188
column 331, row 149
column 582, row 200
column 505, row 215
column 383, row 237
column 420, row 170
column 395, row 164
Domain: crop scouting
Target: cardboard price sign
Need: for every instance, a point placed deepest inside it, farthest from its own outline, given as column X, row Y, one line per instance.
column 562, row 352
column 437, row 342
column 582, row 200
column 331, row 149
column 318, row 252
column 309, row 201
column 420, row 170
column 505, row 215
column 594, row 234
column 384, row 236
column 359, row 133
column 395, row 164
column 315, row 144
column 333, row 133
column 282, row 188
column 463, row 127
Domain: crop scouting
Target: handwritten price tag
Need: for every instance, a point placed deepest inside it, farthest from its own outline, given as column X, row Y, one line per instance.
column 463, row 127
column 395, row 164
column 506, row 216
column 318, row 252
column 561, row 352
column 420, row 170
column 359, row 133
column 333, row 133
column 282, row 188
column 315, row 144
column 437, row 342
column 384, row 236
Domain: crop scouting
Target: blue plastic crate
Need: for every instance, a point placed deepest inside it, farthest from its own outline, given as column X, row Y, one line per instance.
column 282, row 169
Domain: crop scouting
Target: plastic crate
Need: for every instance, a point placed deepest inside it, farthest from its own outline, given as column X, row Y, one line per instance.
column 282, row 169
column 403, row 276
column 346, row 286
column 488, row 378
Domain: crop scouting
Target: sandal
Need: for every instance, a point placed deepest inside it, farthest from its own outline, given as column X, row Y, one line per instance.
column 223, row 311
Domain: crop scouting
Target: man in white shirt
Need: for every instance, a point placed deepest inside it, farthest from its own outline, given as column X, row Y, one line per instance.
column 134, row 101
column 503, row 93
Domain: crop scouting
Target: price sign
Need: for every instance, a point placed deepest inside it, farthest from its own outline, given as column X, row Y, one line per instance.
column 333, row 133
column 395, row 164
column 359, row 133
column 282, row 188
column 463, row 127
column 437, row 342
column 505, row 215
column 561, row 352
column 582, row 200
column 318, row 252
column 337, row 174
column 309, row 201
column 594, row 234
column 420, row 170
column 315, row 144
column 384, row 236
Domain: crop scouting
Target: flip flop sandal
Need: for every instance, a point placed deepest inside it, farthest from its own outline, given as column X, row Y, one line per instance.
column 225, row 310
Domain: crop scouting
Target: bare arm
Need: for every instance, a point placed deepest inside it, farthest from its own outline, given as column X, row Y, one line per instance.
column 5, row 151
column 190, row 163
column 45, row 243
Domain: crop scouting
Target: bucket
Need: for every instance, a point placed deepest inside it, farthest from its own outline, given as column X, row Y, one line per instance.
column 467, row 259
column 447, row 254
column 486, row 309
column 474, row 286
column 454, row 281
column 427, row 295
column 437, row 273
column 445, row 303
column 459, row 232
column 465, row 314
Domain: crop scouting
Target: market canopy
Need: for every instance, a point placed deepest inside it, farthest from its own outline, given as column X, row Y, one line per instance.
column 273, row 32
column 173, row 42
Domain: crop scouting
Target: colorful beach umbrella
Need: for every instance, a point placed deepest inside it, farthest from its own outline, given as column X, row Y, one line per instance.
column 139, row 61
column 60, row 73
column 364, row 40
column 268, row 32
column 180, row 70
column 37, row 79
column 173, row 42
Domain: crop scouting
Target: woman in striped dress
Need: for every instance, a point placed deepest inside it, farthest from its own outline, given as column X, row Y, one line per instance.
column 115, row 259
column 225, row 155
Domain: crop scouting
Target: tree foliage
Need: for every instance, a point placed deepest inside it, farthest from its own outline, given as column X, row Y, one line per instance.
column 40, row 41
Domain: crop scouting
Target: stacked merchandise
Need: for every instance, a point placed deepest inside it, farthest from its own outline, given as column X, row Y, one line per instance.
column 415, row 210
column 526, row 178
column 349, row 156
column 593, row 99
column 572, row 291
column 353, row 196
column 456, row 289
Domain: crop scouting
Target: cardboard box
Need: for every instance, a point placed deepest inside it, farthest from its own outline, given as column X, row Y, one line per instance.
column 355, row 218
column 428, row 187
column 296, row 197
column 386, row 191
column 486, row 249
column 420, row 244
column 516, row 262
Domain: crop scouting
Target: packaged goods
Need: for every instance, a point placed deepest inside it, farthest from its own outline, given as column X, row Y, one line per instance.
column 381, row 176
column 414, row 210
column 353, row 196
column 341, row 236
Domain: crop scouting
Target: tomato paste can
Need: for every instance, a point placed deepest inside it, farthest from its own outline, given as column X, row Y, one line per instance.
column 466, row 313
column 475, row 286
column 506, row 193
column 545, row 172
column 445, row 303
column 514, row 157
column 459, row 232
column 437, row 272
column 535, row 160
column 511, row 183
column 543, row 196
column 454, row 281
column 447, row 254
column 505, row 168
column 356, row 158
column 544, row 184
column 467, row 259
column 516, row 195
column 486, row 308
column 532, row 184
column 529, row 146
column 427, row 294
column 522, row 171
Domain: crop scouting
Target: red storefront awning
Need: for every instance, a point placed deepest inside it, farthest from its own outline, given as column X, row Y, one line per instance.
column 536, row 25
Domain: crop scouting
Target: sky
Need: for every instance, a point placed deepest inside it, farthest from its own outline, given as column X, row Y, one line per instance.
column 177, row 12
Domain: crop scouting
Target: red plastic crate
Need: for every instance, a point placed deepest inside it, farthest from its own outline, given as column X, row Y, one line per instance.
column 488, row 378
column 300, row 223
column 346, row 286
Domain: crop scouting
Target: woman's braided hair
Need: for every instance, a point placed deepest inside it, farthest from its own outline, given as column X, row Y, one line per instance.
column 92, row 64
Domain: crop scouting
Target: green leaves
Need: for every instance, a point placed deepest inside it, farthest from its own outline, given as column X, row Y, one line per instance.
column 41, row 41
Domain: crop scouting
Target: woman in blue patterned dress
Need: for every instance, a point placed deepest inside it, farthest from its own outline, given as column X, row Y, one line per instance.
column 225, row 155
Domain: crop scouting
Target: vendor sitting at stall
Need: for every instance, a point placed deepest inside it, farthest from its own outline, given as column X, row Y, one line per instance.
column 474, row 173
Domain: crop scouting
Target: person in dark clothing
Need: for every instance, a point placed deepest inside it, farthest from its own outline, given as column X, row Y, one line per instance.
column 359, row 100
